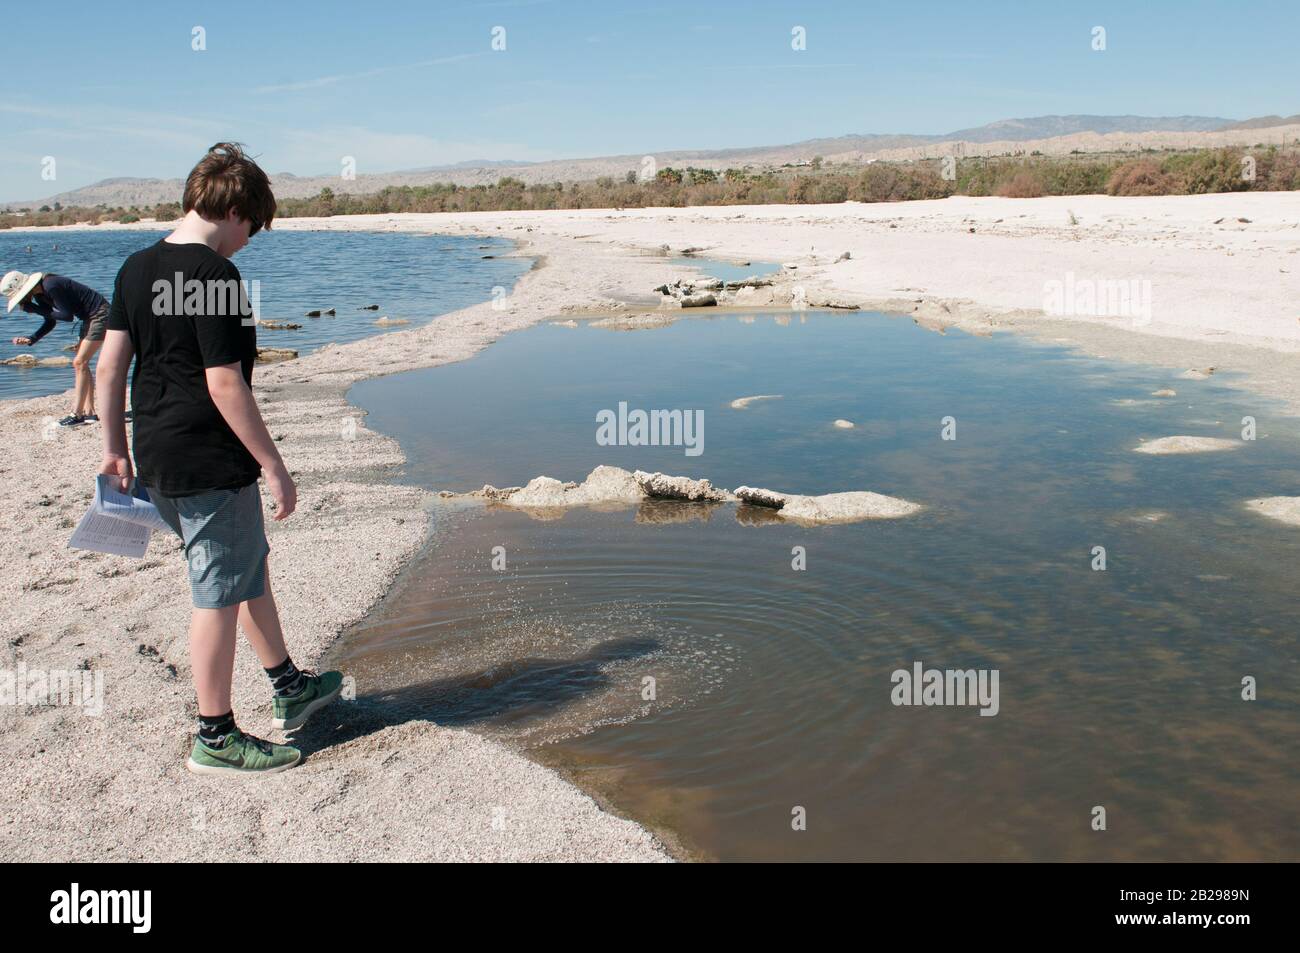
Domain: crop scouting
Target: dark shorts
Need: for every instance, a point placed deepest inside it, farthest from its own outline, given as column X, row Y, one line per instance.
column 225, row 543
column 96, row 326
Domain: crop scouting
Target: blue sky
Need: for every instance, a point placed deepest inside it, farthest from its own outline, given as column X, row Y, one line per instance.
column 115, row 89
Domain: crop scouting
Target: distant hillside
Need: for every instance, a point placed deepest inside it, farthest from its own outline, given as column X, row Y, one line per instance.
column 1264, row 122
column 1050, row 134
column 1049, row 127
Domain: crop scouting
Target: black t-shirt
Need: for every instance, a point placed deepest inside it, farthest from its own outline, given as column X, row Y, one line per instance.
column 183, row 306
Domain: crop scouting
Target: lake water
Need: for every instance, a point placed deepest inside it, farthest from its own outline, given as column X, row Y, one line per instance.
column 410, row 277
column 772, row 684
column 727, row 270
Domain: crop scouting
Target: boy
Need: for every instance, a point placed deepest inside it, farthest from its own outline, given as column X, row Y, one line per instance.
column 200, row 442
column 56, row 298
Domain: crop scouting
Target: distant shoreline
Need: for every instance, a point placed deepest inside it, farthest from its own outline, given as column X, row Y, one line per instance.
column 1018, row 174
column 844, row 153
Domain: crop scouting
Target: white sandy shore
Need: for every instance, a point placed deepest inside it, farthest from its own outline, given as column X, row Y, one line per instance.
column 78, row 787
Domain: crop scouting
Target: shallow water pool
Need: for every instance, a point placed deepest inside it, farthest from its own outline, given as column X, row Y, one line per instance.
column 773, row 690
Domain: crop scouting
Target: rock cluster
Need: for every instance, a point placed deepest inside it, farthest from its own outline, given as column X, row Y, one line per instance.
column 613, row 485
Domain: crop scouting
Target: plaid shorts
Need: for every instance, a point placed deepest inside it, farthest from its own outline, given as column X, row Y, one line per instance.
column 225, row 543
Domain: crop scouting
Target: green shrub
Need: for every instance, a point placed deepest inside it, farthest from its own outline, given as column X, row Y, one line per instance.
column 1197, row 173
column 1139, row 177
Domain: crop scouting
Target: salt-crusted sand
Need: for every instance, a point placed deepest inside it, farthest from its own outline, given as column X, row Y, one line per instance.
column 1182, row 443
column 1223, row 296
column 1284, row 509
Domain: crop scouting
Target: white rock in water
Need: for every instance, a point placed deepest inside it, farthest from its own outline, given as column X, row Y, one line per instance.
column 740, row 403
column 542, row 491
column 603, row 485
column 607, row 484
column 663, row 486
column 30, row 360
column 845, row 424
column 1186, row 444
column 757, row 496
column 847, row 507
column 1284, row 509
column 704, row 300
column 1164, row 392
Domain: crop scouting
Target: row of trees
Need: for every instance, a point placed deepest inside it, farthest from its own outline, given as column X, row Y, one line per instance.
column 1221, row 170
column 1176, row 173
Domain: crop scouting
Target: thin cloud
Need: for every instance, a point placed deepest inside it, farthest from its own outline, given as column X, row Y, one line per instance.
column 344, row 77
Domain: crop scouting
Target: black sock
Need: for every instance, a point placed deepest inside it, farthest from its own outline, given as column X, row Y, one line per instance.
column 286, row 679
column 213, row 729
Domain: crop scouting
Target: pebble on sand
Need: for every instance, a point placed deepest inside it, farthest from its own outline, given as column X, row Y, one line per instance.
column 1186, row 444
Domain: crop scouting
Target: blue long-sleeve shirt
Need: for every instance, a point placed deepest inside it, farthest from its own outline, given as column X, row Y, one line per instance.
column 62, row 299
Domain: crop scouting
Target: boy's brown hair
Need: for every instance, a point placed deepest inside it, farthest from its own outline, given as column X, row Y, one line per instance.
column 226, row 179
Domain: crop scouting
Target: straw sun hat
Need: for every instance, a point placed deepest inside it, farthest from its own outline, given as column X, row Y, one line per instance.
column 15, row 286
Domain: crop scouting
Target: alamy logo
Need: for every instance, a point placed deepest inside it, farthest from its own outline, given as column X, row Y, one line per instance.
column 103, row 906
column 653, row 428
column 1099, row 297
column 80, row 688
column 211, row 297
column 932, row 686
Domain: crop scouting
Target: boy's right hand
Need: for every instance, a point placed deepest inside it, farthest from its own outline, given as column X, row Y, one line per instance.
column 22, row 341
column 283, row 492
column 118, row 466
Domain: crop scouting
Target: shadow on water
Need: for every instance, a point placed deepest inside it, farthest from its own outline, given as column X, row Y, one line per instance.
column 518, row 690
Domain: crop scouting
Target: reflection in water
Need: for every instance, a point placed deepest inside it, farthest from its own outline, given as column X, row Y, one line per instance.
column 672, row 657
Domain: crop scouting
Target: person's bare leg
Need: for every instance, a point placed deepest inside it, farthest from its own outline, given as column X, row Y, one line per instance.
column 212, row 657
column 260, row 620
column 85, row 380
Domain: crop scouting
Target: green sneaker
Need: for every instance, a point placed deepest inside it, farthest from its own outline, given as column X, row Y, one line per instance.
column 292, row 712
column 242, row 754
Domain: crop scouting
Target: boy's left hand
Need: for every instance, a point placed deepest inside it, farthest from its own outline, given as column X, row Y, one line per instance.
column 22, row 340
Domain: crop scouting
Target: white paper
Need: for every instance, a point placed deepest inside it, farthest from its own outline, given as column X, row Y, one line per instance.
column 134, row 509
column 117, row 523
